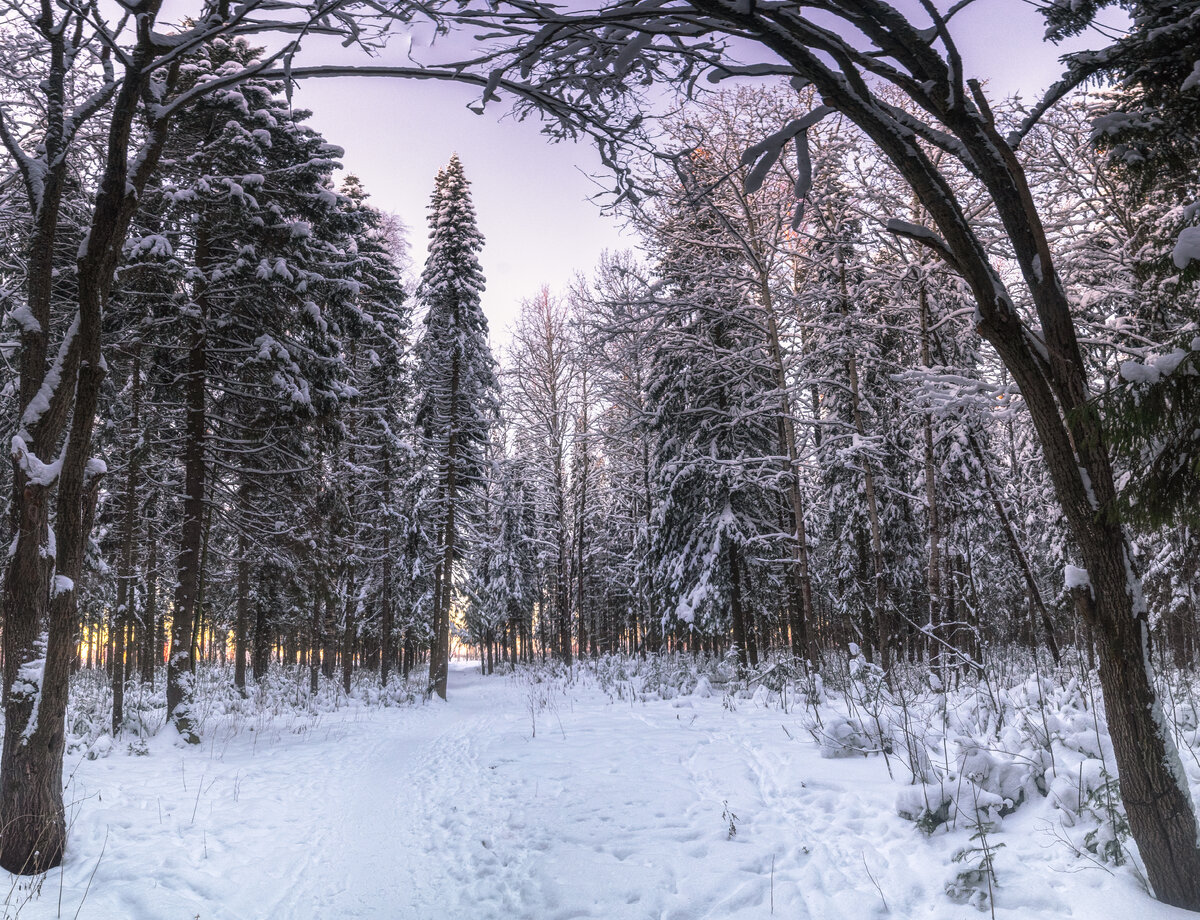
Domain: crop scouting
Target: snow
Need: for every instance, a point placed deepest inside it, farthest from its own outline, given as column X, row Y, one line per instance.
column 24, row 318
column 1076, row 577
column 916, row 231
column 37, row 472
column 1192, row 80
column 1136, row 372
column 1187, row 247
column 30, row 677
column 1154, row 367
column 154, row 245
column 531, row 798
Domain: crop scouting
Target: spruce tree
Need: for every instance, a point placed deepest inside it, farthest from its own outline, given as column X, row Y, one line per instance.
column 715, row 463
column 457, row 389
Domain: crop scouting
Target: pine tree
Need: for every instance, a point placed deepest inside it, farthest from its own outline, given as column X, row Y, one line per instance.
column 457, row 389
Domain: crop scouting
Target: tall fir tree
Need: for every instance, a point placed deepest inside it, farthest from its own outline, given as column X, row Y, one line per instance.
column 457, row 390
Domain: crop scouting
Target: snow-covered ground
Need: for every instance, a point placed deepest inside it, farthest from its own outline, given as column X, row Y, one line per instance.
column 546, row 801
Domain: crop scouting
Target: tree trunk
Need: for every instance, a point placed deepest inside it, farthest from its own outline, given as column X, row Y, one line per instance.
column 317, row 630
column 386, row 616
column 439, row 658
column 241, row 622
column 180, row 679
column 562, row 585
column 800, row 584
column 123, row 618
column 349, row 641
column 933, row 511
column 735, row 603
column 581, row 513
column 883, row 620
column 328, row 646
column 152, row 647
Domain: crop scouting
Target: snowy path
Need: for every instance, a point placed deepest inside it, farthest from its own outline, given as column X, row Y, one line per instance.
column 455, row 810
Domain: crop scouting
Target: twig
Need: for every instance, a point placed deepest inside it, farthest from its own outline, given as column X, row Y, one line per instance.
column 886, row 909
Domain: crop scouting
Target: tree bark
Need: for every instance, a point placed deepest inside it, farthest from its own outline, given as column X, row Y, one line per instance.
column 386, row 617
column 735, row 603
column 933, row 511
column 803, row 635
column 151, row 645
column 439, row 659
column 883, row 619
column 241, row 623
column 179, row 663
column 349, row 641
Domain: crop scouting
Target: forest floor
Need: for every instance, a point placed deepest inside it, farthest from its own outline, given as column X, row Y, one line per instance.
column 542, row 800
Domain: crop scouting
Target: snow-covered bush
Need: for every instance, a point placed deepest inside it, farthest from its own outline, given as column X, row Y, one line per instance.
column 665, row 676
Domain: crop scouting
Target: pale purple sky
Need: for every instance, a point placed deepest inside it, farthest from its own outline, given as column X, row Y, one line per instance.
column 531, row 196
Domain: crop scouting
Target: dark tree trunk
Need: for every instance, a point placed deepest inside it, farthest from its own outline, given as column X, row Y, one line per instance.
column 883, row 617
column 151, row 627
column 328, row 646
column 735, row 602
column 317, row 631
column 439, row 657
column 40, row 624
column 585, row 635
column 933, row 511
column 386, row 616
column 122, row 617
column 241, row 622
column 349, row 642
column 260, row 653
column 188, row 565
column 800, row 612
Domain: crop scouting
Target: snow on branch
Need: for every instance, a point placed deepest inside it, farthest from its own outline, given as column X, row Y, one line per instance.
column 924, row 236
column 763, row 155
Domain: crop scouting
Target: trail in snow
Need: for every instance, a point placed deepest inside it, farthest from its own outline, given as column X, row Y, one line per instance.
column 612, row 810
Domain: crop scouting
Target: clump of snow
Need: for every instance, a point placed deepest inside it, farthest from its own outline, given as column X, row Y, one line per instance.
column 1187, row 247
column 843, row 737
column 1154, row 368
column 1075, row 577
column 1192, row 80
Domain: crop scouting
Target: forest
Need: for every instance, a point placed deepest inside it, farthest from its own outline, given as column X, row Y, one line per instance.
column 884, row 430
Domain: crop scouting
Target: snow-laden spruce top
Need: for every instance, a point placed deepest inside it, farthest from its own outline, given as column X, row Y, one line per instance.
column 455, row 369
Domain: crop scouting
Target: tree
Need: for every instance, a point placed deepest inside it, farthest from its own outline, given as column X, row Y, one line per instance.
column 752, row 233
column 541, row 375
column 380, row 407
column 618, row 330
column 457, row 400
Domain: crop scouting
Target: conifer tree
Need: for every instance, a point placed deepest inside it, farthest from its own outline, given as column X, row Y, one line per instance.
column 715, row 460
column 255, row 238
column 457, row 390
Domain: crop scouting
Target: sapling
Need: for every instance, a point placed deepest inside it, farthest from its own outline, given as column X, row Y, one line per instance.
column 730, row 820
column 976, row 882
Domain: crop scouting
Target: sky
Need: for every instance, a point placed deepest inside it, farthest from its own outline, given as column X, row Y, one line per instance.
column 532, row 196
